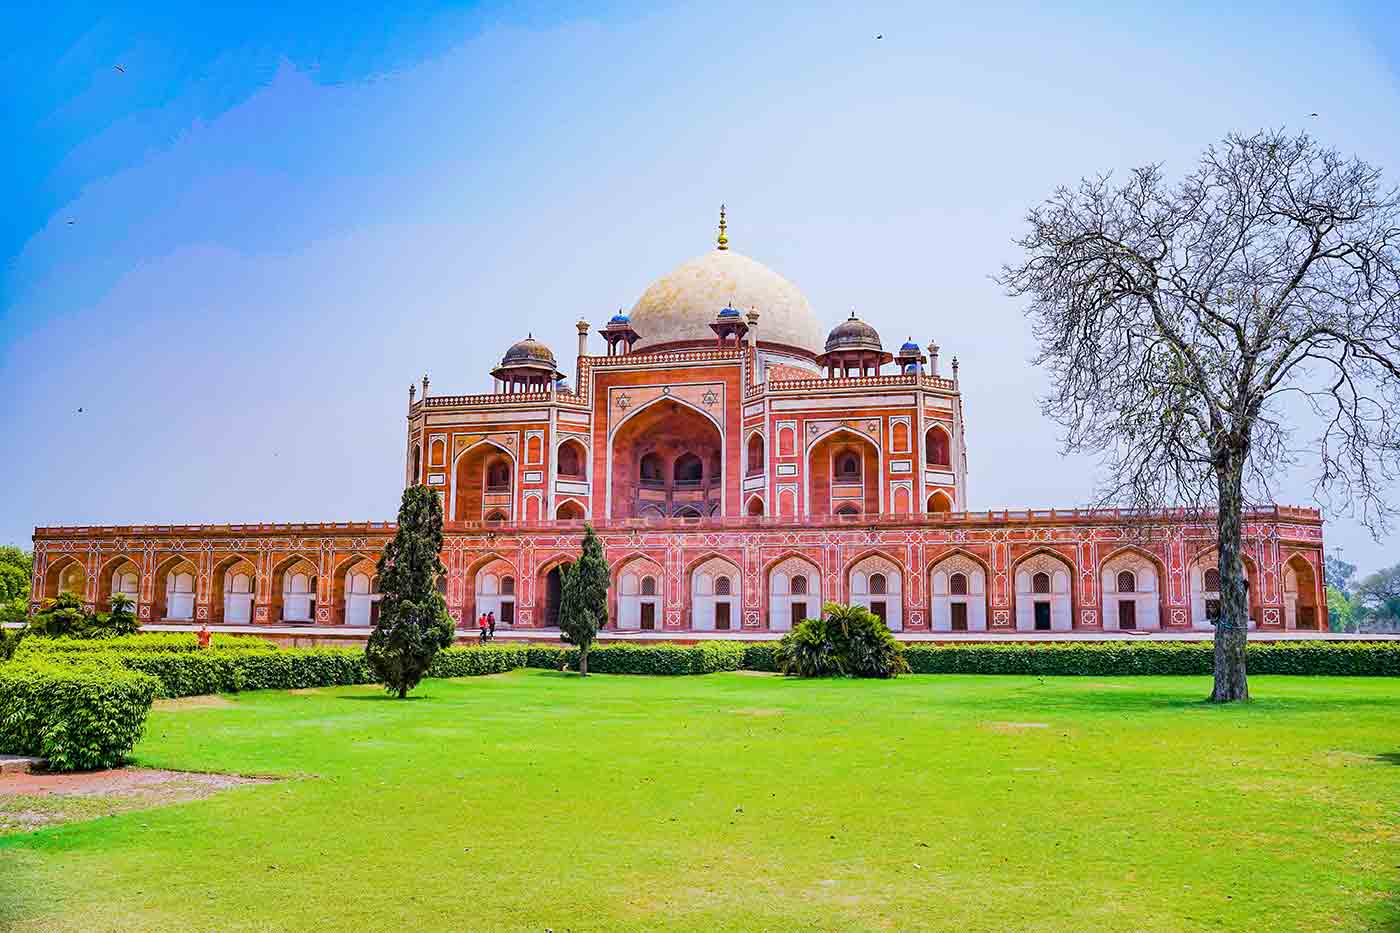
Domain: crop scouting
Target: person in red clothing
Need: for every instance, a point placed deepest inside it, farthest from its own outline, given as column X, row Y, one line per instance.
column 481, row 623
column 204, row 636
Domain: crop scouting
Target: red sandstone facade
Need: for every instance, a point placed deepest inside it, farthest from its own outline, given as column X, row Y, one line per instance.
column 740, row 472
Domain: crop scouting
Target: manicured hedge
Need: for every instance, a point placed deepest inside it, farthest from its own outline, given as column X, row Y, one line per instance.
column 78, row 716
column 151, row 641
column 1106, row 659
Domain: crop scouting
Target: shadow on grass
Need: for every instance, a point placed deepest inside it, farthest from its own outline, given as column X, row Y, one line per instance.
column 1390, row 758
column 381, row 697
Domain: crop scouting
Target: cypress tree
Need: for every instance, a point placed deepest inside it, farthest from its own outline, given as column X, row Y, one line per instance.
column 413, row 620
column 583, row 600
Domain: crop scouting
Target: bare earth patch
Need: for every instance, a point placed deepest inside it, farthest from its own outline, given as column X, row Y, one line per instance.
column 759, row 711
column 1014, row 726
column 207, row 701
column 32, row 801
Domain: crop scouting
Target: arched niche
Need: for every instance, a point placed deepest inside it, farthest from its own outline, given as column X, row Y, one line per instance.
column 877, row 583
column 958, row 595
column 715, row 596
column 1044, row 600
column 1132, row 585
column 794, row 593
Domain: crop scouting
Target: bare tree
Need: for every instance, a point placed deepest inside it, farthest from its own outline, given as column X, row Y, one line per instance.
column 1191, row 329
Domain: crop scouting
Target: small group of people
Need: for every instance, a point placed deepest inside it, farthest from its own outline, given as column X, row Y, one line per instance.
column 487, row 624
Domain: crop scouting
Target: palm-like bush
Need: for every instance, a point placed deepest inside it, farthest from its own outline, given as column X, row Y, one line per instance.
column 849, row 641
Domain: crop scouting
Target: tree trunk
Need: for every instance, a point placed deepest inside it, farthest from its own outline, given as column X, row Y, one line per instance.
column 583, row 660
column 1231, row 681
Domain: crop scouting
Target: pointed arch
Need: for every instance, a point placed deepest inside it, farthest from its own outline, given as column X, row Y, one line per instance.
column 638, row 607
column 711, row 607
column 1141, row 607
column 1047, row 608
column 789, row 604
column 233, row 605
column 955, row 608
column 938, row 447
column 1205, row 603
column 54, row 574
column 174, row 586
column 875, row 579
column 819, row 475
column 454, row 489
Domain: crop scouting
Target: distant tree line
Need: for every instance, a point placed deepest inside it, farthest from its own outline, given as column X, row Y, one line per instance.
column 1371, row 604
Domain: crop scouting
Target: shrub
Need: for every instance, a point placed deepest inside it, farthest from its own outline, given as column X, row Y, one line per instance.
column 849, row 641
column 1103, row 659
column 78, row 716
column 150, row 641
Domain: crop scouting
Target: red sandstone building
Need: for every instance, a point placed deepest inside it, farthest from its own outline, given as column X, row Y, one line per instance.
column 742, row 466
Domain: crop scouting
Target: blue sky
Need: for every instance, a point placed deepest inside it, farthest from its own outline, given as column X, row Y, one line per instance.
column 235, row 254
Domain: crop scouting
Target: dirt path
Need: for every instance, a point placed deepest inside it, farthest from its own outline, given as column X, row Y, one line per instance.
column 32, row 801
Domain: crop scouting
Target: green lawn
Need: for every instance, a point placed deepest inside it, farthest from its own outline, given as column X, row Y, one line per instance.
column 536, row 800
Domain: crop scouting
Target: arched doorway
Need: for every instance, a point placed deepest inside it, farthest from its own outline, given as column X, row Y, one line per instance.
column 794, row 593
column 715, row 590
column 1300, row 595
column 238, row 595
column 938, row 501
column 666, row 459
column 569, row 511
column 1043, row 599
column 361, row 595
column 483, row 484
column 1131, row 585
column 552, row 591
column 958, row 588
column 876, row 583
column 126, row 581
column 938, row 447
column 495, row 593
column 295, row 585
column 572, row 458
column 843, row 475
column 179, row 592
column 1205, row 592
column 640, row 604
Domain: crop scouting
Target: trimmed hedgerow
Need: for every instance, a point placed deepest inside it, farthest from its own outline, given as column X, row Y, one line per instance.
column 78, row 716
column 150, row 641
column 660, row 659
column 191, row 673
column 1104, row 659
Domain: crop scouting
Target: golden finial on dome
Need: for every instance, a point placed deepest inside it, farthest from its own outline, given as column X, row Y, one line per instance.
column 723, row 240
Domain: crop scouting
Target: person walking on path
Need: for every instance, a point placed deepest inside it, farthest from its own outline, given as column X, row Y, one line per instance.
column 481, row 623
column 491, row 621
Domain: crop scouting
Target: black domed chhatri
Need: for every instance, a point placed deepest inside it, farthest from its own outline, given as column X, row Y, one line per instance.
column 527, row 351
column 854, row 334
column 528, row 366
column 853, row 345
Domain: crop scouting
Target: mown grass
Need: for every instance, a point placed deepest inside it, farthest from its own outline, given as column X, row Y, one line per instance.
column 537, row 800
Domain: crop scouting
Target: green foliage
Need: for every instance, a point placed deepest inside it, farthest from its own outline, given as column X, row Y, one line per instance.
column 146, row 641
column 79, row 717
column 1338, row 573
column 16, row 566
column 1341, row 610
column 413, row 621
column 583, row 603
column 121, row 620
column 61, row 617
column 1109, row 659
column 849, row 641
column 64, row 617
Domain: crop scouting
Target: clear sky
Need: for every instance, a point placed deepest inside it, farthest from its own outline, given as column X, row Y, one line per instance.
column 236, row 252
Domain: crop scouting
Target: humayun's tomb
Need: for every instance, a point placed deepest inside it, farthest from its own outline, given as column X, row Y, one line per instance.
column 742, row 466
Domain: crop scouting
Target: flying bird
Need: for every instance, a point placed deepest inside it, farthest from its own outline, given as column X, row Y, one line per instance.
column 880, row 36
column 120, row 68
column 1312, row 114
column 80, row 411
column 71, row 222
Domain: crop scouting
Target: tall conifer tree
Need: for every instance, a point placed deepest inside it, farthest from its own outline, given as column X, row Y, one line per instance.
column 413, row 620
column 583, row 602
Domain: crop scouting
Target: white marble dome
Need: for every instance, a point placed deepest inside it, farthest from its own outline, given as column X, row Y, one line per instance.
column 680, row 306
